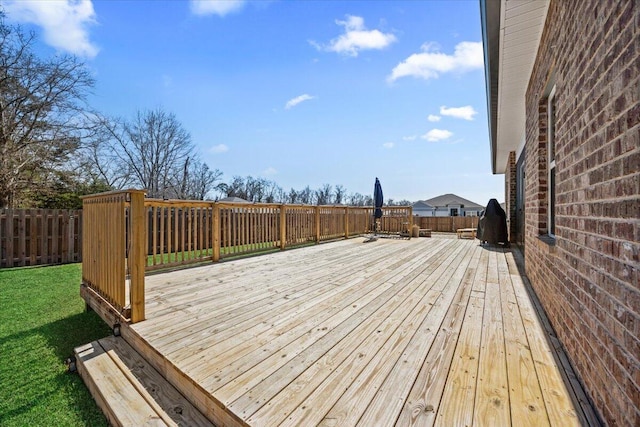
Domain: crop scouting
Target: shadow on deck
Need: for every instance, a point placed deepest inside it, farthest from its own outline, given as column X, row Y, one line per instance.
column 395, row 332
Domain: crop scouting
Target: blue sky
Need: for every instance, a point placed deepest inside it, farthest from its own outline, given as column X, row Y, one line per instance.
column 298, row 92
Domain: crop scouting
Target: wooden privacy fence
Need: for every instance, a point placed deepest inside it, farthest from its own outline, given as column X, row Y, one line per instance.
column 126, row 235
column 40, row 236
column 447, row 224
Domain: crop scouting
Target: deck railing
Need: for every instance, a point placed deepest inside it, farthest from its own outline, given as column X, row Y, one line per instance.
column 113, row 250
column 126, row 235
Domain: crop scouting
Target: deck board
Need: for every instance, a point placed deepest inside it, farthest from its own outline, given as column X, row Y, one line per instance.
column 556, row 393
column 373, row 326
column 431, row 346
column 425, row 398
column 524, row 387
column 492, row 404
column 361, row 389
column 392, row 332
column 292, row 317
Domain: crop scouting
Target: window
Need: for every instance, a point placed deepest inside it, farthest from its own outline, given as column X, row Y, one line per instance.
column 520, row 165
column 551, row 150
column 453, row 212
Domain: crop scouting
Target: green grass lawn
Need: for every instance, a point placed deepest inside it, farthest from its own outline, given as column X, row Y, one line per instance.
column 42, row 319
column 176, row 257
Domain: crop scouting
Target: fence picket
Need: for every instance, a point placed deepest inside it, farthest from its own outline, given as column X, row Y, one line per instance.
column 9, row 238
column 40, row 236
column 33, row 236
column 447, row 224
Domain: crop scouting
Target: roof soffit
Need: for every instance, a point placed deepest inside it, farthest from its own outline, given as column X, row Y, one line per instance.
column 521, row 26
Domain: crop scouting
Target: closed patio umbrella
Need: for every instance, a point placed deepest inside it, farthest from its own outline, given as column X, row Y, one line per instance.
column 377, row 202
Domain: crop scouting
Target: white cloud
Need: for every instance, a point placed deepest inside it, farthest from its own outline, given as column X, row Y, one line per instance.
column 220, row 148
column 437, row 135
column 388, row 145
column 64, row 22
column 215, row 7
column 433, row 118
column 409, row 138
column 467, row 112
column 297, row 100
column 270, row 171
column 356, row 38
column 431, row 63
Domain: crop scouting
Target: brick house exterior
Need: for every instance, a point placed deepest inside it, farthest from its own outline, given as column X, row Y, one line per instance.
column 565, row 131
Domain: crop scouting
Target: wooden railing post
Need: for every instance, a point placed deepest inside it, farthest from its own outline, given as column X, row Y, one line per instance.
column 317, row 223
column 346, row 222
column 410, row 218
column 137, row 254
column 215, row 231
column 283, row 227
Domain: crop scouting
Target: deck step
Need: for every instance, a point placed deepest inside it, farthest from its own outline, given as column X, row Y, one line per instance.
column 129, row 391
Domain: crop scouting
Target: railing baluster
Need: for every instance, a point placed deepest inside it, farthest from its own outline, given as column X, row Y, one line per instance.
column 215, row 232
column 283, row 225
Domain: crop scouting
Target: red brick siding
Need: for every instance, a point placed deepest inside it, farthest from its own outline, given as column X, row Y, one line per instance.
column 589, row 281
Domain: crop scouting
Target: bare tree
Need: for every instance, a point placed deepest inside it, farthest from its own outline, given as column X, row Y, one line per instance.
column 196, row 182
column 280, row 195
column 235, row 188
column 41, row 105
column 255, row 189
column 323, row 195
column 100, row 158
column 153, row 151
column 304, row 196
column 292, row 196
column 262, row 190
column 259, row 190
column 154, row 145
column 356, row 199
column 339, row 194
column 273, row 192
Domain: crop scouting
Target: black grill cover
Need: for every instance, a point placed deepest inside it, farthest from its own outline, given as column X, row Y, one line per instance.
column 492, row 227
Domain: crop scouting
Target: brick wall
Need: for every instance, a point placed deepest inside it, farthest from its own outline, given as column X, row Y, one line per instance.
column 588, row 277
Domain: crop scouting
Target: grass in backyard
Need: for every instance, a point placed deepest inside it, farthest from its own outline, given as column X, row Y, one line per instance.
column 42, row 319
column 173, row 260
column 180, row 256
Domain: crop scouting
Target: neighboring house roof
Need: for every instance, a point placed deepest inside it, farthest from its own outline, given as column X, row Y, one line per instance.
column 452, row 199
column 234, row 200
column 421, row 204
column 511, row 33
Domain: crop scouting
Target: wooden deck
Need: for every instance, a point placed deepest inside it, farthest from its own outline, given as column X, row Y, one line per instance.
column 393, row 332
